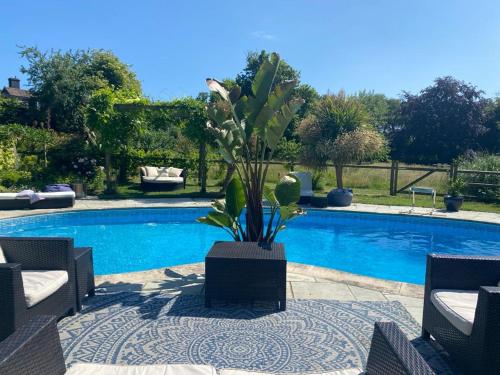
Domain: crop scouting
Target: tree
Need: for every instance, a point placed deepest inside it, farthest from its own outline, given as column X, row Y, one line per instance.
column 113, row 128
column 63, row 82
column 14, row 111
column 490, row 140
column 441, row 123
column 193, row 119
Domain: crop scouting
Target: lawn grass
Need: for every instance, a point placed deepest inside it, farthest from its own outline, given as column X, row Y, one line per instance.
column 370, row 186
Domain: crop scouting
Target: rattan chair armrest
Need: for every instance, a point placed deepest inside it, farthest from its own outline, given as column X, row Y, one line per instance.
column 486, row 328
column 392, row 353
column 12, row 300
column 34, row 348
column 461, row 271
column 39, row 253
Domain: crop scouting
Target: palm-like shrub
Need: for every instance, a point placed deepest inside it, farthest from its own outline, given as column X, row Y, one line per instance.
column 356, row 146
column 338, row 131
column 332, row 116
column 247, row 137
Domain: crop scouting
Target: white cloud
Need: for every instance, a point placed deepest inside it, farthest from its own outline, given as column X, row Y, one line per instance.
column 263, row 35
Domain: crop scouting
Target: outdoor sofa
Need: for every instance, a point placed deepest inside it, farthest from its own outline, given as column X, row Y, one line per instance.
column 162, row 178
column 37, row 277
column 462, row 310
column 61, row 199
column 35, row 349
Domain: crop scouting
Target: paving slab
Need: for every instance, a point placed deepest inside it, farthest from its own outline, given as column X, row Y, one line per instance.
column 313, row 290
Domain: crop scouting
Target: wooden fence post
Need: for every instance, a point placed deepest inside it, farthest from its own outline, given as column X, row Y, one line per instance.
column 393, row 188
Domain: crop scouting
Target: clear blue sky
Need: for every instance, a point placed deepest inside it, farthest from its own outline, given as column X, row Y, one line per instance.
column 173, row 45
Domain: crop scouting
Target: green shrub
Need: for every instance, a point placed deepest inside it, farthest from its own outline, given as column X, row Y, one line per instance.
column 15, row 179
column 7, row 156
column 482, row 162
column 96, row 184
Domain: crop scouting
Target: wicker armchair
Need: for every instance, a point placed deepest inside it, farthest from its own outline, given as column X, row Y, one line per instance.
column 54, row 254
column 479, row 351
column 35, row 349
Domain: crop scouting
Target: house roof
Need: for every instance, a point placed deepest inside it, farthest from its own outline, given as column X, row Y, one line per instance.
column 16, row 93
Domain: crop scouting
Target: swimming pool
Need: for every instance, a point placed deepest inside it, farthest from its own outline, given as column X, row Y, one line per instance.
column 391, row 247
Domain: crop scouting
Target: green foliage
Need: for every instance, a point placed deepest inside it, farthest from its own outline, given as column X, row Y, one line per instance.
column 226, row 212
column 490, row 140
column 288, row 151
column 284, row 73
column 287, row 190
column 63, row 82
column 317, row 181
column 357, row 146
column 381, row 110
column 12, row 179
column 441, row 123
column 482, row 162
column 248, row 137
column 456, row 187
column 13, row 111
column 332, row 116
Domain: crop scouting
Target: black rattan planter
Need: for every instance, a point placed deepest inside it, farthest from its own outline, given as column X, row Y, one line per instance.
column 244, row 271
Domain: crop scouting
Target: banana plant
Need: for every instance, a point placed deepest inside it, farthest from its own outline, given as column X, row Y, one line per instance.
column 283, row 199
column 249, row 136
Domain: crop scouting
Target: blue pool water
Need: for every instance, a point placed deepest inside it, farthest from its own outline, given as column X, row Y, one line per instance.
column 384, row 246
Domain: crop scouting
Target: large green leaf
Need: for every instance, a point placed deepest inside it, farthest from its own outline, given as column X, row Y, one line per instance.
column 235, row 198
column 278, row 124
column 270, row 196
column 261, row 85
column 261, row 88
column 290, row 212
column 209, row 221
column 281, row 94
column 221, row 218
column 287, row 190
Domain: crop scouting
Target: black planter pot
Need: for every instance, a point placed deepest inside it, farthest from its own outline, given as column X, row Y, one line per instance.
column 245, row 271
column 340, row 197
column 453, row 203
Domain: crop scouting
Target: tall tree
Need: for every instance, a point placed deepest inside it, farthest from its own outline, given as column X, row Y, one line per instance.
column 441, row 123
column 490, row 140
column 63, row 82
column 113, row 128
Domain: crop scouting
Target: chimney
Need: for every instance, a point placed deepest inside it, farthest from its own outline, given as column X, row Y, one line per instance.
column 14, row 82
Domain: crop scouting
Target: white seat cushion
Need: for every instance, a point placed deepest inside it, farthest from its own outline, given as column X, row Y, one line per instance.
column 151, row 171
column 57, row 194
column 97, row 369
column 163, row 180
column 305, row 179
column 2, row 256
column 457, row 306
column 38, row 285
column 11, row 196
column 352, row 371
column 174, row 172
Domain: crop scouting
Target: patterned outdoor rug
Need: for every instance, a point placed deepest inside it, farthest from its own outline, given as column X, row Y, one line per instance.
column 311, row 335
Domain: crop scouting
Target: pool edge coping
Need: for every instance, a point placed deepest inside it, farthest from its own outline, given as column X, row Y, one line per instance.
column 317, row 273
